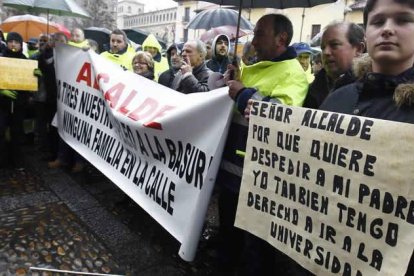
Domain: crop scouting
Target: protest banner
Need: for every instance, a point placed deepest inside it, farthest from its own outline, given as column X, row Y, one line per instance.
column 332, row 191
column 17, row 74
column 161, row 147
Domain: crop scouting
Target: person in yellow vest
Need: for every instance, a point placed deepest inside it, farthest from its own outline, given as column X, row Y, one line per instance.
column 32, row 47
column 276, row 77
column 77, row 39
column 152, row 46
column 304, row 52
column 119, row 51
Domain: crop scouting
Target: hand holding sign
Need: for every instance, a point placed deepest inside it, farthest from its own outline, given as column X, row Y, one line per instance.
column 8, row 93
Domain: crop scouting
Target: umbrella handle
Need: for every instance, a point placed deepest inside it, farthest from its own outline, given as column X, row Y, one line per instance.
column 235, row 64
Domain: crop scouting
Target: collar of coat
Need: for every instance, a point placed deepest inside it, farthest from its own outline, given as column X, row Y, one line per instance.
column 401, row 85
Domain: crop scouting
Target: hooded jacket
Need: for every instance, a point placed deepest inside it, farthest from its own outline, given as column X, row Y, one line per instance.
column 166, row 78
column 5, row 103
column 123, row 58
column 218, row 63
column 82, row 44
column 160, row 62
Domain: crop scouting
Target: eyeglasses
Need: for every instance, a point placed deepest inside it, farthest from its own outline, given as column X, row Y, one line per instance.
column 141, row 63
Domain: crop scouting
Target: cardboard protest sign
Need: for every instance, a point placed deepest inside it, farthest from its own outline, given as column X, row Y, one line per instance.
column 332, row 191
column 17, row 74
column 161, row 147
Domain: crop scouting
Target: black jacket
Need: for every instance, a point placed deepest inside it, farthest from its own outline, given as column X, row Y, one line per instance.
column 322, row 86
column 374, row 96
column 197, row 81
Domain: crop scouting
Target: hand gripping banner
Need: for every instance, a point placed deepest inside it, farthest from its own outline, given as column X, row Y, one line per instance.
column 161, row 147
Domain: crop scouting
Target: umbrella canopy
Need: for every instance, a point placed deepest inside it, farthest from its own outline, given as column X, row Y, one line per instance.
column 58, row 7
column 218, row 17
column 136, row 35
column 29, row 26
column 276, row 4
column 63, row 29
column 100, row 35
column 230, row 31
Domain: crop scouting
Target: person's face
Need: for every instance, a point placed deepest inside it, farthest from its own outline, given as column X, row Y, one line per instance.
column 209, row 51
column 32, row 46
column 304, row 60
column 59, row 39
column 316, row 67
column 222, row 47
column 43, row 40
column 77, row 36
column 390, row 36
column 175, row 59
column 117, row 43
column 190, row 54
column 264, row 41
column 140, row 65
column 152, row 50
column 337, row 52
column 14, row 46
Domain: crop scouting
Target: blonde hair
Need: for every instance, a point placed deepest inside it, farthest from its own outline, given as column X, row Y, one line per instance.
column 145, row 56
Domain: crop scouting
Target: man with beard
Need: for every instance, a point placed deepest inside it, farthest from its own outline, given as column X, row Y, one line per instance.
column 175, row 60
column 119, row 52
column 220, row 58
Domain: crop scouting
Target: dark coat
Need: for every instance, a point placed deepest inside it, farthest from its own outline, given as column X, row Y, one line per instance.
column 167, row 77
column 197, row 81
column 375, row 96
column 322, row 86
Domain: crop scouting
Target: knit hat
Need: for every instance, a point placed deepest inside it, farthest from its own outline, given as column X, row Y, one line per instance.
column 14, row 36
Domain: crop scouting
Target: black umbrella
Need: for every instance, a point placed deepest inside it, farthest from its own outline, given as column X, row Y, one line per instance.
column 276, row 4
column 100, row 35
column 138, row 36
column 212, row 18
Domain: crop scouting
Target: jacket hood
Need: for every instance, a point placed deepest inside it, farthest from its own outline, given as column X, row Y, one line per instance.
column 178, row 46
column 151, row 41
column 404, row 92
column 213, row 44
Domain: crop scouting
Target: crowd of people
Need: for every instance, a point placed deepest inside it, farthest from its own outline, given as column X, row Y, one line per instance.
column 366, row 72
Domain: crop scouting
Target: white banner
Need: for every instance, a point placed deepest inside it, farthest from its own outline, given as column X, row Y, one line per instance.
column 332, row 191
column 161, row 147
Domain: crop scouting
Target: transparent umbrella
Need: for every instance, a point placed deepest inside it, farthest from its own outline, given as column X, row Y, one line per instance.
column 58, row 7
column 212, row 18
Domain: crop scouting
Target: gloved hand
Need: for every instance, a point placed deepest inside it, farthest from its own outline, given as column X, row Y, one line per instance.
column 37, row 72
column 8, row 93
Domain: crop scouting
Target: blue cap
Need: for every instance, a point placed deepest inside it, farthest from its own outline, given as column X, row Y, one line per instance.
column 33, row 40
column 302, row 47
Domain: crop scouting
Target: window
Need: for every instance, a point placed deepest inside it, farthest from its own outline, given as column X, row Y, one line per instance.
column 187, row 14
column 315, row 30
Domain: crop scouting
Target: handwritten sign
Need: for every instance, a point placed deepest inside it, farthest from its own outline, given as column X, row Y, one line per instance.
column 332, row 191
column 17, row 74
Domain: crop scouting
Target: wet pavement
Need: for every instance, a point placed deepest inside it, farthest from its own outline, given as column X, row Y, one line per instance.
column 53, row 219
